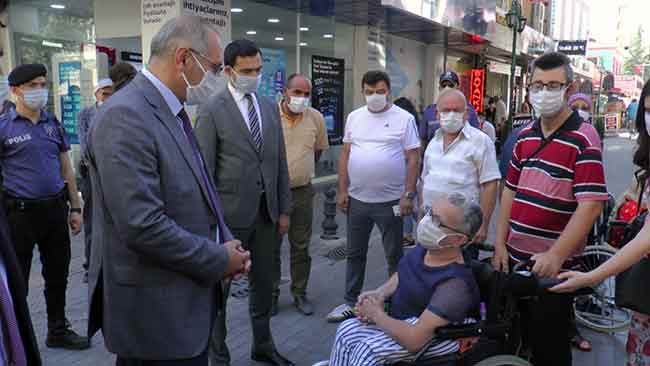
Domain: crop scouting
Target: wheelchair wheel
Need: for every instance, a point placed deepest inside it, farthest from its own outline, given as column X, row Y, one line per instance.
column 598, row 311
column 504, row 360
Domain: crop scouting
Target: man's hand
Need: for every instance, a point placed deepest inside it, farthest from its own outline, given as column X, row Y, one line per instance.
column 547, row 264
column 500, row 259
column 342, row 201
column 283, row 225
column 405, row 206
column 75, row 223
column 375, row 294
column 573, row 281
column 238, row 259
column 481, row 235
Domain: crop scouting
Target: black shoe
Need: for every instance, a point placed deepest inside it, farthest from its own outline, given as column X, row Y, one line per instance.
column 273, row 358
column 67, row 339
column 274, row 306
column 303, row 305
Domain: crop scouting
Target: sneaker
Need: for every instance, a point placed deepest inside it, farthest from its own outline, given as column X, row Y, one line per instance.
column 408, row 243
column 340, row 313
column 67, row 339
column 322, row 363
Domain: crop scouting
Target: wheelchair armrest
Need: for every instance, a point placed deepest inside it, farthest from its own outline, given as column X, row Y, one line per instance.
column 482, row 328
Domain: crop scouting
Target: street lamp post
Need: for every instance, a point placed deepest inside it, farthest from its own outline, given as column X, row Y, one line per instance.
column 517, row 23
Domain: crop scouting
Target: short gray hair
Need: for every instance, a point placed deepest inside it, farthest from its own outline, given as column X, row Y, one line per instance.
column 472, row 214
column 449, row 92
column 188, row 28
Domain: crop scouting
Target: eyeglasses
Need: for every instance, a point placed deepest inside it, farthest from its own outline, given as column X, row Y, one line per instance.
column 215, row 68
column 436, row 220
column 550, row 86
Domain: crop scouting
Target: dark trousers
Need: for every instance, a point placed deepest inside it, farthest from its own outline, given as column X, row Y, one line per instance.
column 201, row 360
column 546, row 322
column 261, row 240
column 361, row 219
column 86, row 192
column 44, row 224
column 299, row 235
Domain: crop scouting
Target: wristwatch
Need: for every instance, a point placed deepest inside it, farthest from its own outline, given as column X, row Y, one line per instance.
column 75, row 210
column 409, row 195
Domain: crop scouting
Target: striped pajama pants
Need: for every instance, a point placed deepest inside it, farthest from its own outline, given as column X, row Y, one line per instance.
column 357, row 344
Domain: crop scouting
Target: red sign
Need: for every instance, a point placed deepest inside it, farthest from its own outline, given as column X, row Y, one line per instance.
column 477, row 89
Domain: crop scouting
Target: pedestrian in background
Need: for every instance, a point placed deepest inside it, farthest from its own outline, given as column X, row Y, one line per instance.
column 430, row 123
column 103, row 90
column 305, row 138
column 409, row 220
column 631, row 113
column 35, row 165
column 491, row 111
column 240, row 133
column 121, row 74
column 461, row 159
column 162, row 246
column 378, row 171
column 487, row 127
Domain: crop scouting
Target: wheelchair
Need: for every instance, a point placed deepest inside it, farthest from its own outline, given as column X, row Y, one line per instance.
column 496, row 339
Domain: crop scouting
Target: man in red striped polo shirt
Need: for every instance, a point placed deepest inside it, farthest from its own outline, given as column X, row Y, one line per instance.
column 555, row 191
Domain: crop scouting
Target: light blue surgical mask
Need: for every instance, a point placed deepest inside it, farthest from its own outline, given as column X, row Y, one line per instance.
column 36, row 99
column 245, row 84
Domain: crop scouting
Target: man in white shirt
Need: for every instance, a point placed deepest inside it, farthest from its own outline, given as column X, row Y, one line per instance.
column 501, row 114
column 460, row 159
column 377, row 171
column 487, row 127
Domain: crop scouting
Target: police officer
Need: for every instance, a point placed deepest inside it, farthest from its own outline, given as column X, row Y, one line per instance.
column 35, row 165
column 103, row 90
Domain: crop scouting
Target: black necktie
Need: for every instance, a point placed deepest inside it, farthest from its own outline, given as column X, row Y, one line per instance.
column 254, row 121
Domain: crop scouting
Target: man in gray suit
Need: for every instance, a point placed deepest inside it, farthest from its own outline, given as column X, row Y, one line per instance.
column 162, row 245
column 240, row 134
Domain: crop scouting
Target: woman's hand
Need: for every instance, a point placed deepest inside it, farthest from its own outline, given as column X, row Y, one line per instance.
column 370, row 309
column 574, row 281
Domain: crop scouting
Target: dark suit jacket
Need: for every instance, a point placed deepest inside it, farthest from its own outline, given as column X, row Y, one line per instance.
column 235, row 164
column 155, row 264
column 18, row 292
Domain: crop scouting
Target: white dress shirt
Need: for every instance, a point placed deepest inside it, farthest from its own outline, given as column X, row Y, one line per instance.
column 470, row 160
column 242, row 104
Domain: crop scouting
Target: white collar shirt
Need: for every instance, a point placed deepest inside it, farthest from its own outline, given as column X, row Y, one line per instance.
column 243, row 103
column 469, row 161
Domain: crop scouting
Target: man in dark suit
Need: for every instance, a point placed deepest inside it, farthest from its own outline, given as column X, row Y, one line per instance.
column 240, row 134
column 161, row 246
column 18, row 314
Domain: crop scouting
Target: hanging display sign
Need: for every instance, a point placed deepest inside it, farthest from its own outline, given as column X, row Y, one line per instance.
column 327, row 97
column 70, row 97
column 574, row 48
column 477, row 89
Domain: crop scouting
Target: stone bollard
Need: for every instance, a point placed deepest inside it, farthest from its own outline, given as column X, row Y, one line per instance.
column 329, row 223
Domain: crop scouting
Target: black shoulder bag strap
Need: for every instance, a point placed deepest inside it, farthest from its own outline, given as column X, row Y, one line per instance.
column 545, row 142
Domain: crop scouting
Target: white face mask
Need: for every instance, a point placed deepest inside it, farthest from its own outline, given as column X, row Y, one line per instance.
column 298, row 104
column 547, row 103
column 430, row 235
column 584, row 115
column 647, row 122
column 376, row 102
column 36, row 99
column 4, row 89
column 197, row 94
column 245, row 84
column 452, row 122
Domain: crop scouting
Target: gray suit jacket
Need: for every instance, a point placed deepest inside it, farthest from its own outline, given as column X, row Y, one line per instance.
column 155, row 263
column 235, row 164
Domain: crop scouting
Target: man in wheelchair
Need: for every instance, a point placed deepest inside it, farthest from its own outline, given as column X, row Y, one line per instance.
column 433, row 287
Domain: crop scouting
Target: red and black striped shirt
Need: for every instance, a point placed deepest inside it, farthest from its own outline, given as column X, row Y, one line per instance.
column 549, row 186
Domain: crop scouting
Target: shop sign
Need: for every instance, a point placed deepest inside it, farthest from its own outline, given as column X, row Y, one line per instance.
column 477, row 89
column 274, row 71
column 327, row 96
column 574, row 48
column 611, row 121
column 501, row 68
column 131, row 56
column 70, row 97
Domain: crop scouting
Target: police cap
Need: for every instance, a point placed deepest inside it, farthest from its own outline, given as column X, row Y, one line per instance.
column 25, row 73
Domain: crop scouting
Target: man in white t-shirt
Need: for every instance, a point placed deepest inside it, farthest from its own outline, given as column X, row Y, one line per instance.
column 378, row 172
column 460, row 159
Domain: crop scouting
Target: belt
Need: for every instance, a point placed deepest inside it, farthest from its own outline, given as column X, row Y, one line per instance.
column 28, row 204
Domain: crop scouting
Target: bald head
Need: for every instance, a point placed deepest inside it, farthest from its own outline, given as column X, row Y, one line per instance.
column 452, row 100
